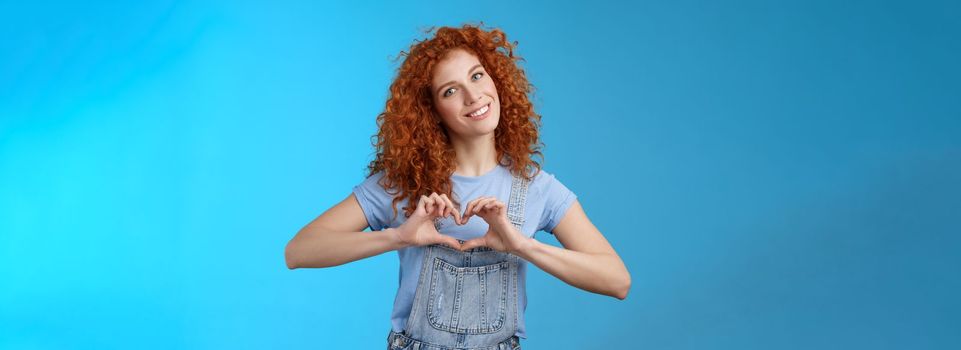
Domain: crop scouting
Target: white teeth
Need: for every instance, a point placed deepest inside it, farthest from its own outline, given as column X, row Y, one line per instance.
column 480, row 111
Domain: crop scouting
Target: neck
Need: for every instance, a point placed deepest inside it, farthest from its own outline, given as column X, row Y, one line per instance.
column 475, row 156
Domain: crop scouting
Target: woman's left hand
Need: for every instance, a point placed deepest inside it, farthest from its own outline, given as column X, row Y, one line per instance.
column 501, row 235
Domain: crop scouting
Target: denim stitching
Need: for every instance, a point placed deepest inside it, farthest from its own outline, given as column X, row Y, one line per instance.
column 518, row 198
column 458, row 272
column 509, row 343
column 463, row 275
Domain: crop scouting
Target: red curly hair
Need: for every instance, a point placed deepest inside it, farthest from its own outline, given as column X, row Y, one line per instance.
column 414, row 151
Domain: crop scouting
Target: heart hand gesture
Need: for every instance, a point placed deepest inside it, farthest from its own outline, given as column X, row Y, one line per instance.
column 419, row 228
column 501, row 235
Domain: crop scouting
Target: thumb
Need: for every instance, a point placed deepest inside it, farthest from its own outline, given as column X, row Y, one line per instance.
column 474, row 243
column 448, row 240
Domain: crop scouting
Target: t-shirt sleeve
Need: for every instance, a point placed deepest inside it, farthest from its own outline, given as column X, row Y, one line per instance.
column 558, row 198
column 374, row 201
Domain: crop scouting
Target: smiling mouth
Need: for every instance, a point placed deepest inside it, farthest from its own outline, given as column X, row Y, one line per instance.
column 479, row 111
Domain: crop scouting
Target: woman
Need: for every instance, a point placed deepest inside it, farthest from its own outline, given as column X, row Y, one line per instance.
column 455, row 141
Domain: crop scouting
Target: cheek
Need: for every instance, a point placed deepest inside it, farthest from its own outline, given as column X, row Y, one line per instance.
column 492, row 88
column 447, row 110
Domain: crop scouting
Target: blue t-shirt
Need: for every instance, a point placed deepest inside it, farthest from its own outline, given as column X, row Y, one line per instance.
column 547, row 202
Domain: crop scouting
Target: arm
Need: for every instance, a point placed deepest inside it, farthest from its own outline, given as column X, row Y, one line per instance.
column 587, row 260
column 335, row 238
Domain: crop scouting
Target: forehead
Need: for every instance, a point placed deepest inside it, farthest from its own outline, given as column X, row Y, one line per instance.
column 454, row 65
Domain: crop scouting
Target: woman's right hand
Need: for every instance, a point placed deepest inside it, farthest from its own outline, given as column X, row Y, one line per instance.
column 419, row 228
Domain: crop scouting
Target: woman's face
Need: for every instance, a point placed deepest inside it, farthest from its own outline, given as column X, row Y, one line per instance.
column 465, row 95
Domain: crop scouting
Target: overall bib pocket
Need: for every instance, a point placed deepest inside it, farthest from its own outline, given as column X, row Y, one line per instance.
column 468, row 300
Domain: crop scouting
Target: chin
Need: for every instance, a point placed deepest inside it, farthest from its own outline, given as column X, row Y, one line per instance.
column 488, row 125
column 484, row 127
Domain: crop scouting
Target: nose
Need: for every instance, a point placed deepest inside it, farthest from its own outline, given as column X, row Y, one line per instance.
column 472, row 95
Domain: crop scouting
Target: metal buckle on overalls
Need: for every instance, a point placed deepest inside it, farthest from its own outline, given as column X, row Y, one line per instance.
column 508, row 344
column 400, row 341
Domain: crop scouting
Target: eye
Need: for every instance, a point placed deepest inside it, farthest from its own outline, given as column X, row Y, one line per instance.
column 474, row 77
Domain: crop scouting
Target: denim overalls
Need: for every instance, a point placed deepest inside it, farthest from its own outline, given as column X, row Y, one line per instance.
column 466, row 300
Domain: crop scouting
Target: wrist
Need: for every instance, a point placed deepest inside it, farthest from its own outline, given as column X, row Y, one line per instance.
column 524, row 247
column 393, row 235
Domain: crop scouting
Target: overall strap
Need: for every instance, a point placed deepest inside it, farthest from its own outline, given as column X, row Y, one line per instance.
column 515, row 206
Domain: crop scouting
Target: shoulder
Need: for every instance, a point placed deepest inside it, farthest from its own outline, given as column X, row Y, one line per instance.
column 552, row 197
column 373, row 187
column 374, row 179
column 374, row 200
column 544, row 180
column 547, row 186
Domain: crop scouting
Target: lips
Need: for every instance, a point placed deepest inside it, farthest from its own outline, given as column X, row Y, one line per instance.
column 479, row 112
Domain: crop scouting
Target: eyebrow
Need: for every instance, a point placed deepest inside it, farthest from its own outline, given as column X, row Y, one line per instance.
column 449, row 82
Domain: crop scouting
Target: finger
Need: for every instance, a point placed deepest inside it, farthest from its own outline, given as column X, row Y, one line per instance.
column 494, row 205
column 441, row 204
column 466, row 214
column 448, row 240
column 421, row 207
column 453, row 208
column 432, row 205
column 448, row 206
column 481, row 206
column 421, row 204
column 428, row 204
column 471, row 208
column 474, row 243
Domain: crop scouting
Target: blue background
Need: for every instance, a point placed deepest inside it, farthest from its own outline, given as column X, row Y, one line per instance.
column 778, row 175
